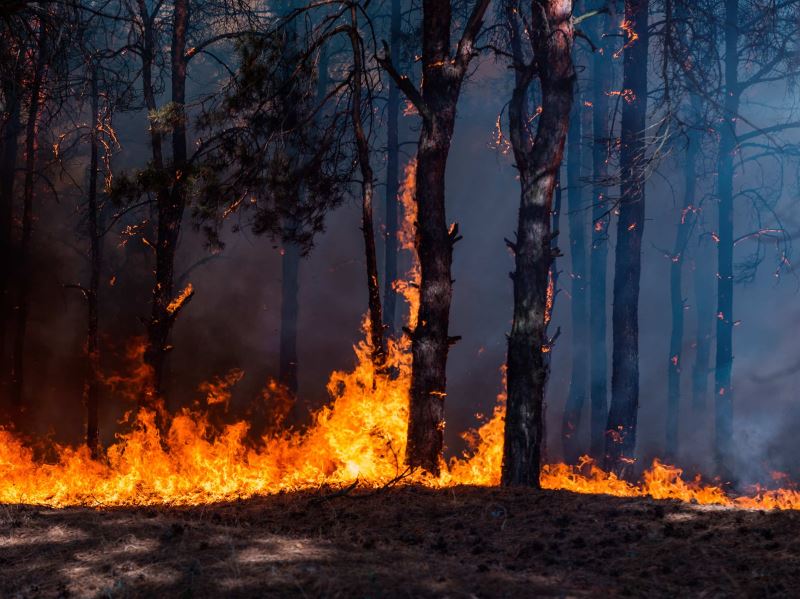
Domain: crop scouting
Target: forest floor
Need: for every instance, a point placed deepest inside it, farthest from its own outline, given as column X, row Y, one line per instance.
column 403, row 542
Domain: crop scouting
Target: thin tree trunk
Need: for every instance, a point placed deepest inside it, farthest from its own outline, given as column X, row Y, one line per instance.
column 92, row 386
column 8, row 164
column 538, row 162
column 704, row 275
column 23, row 298
column 152, row 351
column 622, row 417
column 392, row 184
column 677, row 304
column 598, row 255
column 442, row 76
column 723, row 371
column 287, row 359
column 578, row 385
column 170, row 213
column 367, row 193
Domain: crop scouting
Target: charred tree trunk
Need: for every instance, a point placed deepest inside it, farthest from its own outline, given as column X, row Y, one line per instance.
column 598, row 255
column 171, row 203
column 538, row 161
column 92, row 385
column 290, row 309
column 152, row 349
column 677, row 304
column 8, row 165
column 367, row 193
column 392, row 184
column 23, row 297
column 622, row 417
column 578, row 387
column 723, row 371
column 442, row 76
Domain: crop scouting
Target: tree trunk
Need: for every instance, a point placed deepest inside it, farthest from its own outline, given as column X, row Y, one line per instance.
column 578, row 387
column 287, row 359
column 92, row 386
column 392, row 184
column 367, row 192
column 8, row 165
column 723, row 371
column 621, row 435
column 704, row 275
column 23, row 298
column 149, row 394
column 598, row 255
column 538, row 163
column 171, row 205
column 685, row 225
column 442, row 76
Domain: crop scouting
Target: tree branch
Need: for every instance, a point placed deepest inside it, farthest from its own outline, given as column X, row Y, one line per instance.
column 467, row 42
column 404, row 83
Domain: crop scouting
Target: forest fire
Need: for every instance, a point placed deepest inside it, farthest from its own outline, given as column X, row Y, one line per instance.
column 274, row 321
column 358, row 439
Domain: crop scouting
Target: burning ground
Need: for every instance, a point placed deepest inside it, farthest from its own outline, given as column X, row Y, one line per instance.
column 408, row 541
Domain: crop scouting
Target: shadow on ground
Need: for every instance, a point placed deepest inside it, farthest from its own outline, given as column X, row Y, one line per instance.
column 405, row 542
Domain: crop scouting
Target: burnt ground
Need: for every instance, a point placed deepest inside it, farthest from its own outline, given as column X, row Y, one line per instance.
column 405, row 542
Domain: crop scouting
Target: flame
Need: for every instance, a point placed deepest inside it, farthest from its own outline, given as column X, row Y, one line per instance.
column 184, row 296
column 550, row 298
column 360, row 435
column 627, row 27
column 626, row 94
column 408, row 287
column 218, row 391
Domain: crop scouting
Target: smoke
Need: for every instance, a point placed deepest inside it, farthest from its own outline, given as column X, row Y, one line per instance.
column 233, row 320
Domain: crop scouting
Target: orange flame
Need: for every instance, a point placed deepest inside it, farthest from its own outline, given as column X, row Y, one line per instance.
column 408, row 287
column 627, row 27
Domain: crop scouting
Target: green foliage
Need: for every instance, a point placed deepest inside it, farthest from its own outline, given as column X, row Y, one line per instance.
column 165, row 119
column 277, row 151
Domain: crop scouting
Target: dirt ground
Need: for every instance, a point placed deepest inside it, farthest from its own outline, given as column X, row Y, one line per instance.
column 404, row 542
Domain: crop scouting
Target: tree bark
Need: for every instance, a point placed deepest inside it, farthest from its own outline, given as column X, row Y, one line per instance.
column 8, row 165
column 578, row 385
column 92, row 385
column 598, row 255
column 442, row 76
column 723, row 392
column 704, row 275
column 23, row 297
column 367, row 193
column 622, row 417
column 392, row 184
column 684, row 228
column 170, row 208
column 538, row 162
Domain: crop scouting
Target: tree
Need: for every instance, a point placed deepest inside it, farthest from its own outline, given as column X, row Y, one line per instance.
column 538, row 160
column 278, row 137
column 622, row 417
column 601, row 221
column 367, row 192
column 11, row 77
column 392, row 177
column 168, row 178
column 577, row 207
column 40, row 55
column 443, row 73
column 102, row 77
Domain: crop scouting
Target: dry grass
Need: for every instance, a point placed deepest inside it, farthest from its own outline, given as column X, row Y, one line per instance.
column 406, row 542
